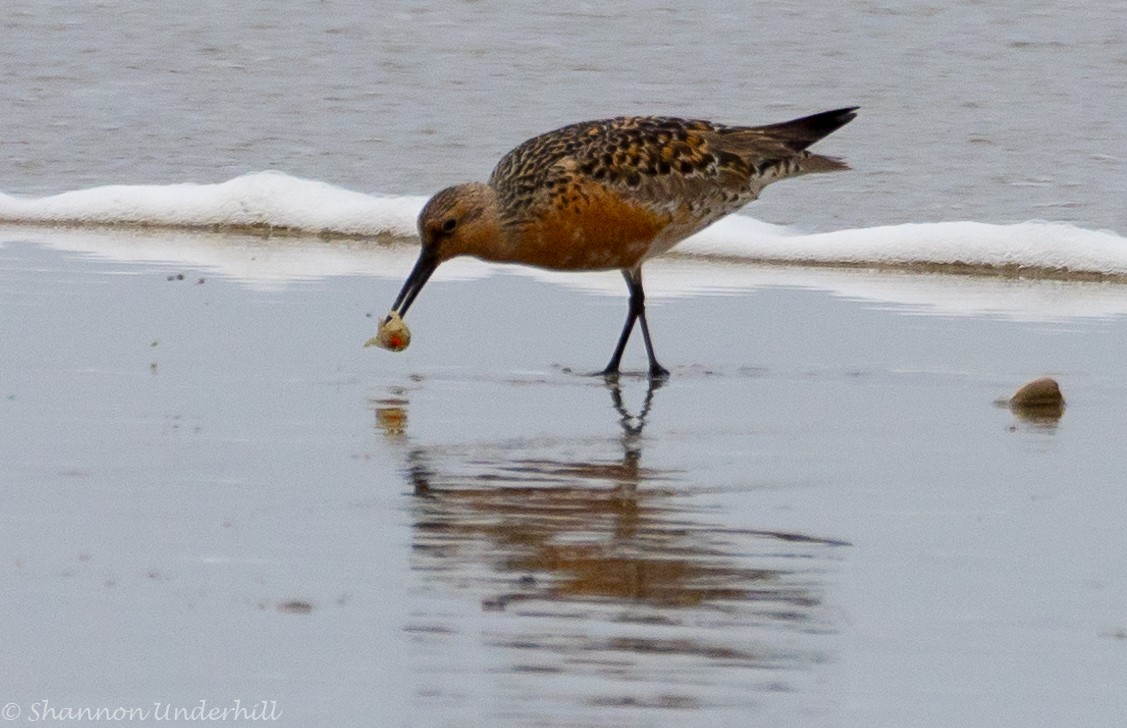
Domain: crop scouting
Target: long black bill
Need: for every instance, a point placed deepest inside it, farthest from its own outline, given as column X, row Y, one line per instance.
column 414, row 283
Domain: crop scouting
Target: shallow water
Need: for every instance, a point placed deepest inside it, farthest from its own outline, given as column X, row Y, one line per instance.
column 821, row 519
column 215, row 493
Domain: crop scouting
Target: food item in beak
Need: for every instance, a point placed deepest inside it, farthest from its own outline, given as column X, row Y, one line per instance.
column 393, row 334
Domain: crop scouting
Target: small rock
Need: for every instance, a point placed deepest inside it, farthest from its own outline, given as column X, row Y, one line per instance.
column 295, row 606
column 1043, row 392
column 1038, row 401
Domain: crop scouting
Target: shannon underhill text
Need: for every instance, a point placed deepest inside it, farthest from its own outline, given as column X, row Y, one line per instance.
column 263, row 710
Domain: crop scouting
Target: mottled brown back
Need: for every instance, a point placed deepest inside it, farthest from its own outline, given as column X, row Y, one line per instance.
column 692, row 170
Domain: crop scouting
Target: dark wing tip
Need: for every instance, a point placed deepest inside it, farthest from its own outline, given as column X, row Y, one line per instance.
column 800, row 133
column 841, row 117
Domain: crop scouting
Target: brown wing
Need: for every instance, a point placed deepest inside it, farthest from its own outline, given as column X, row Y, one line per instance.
column 691, row 171
column 657, row 161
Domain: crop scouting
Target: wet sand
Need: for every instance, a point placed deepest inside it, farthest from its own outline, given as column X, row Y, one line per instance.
column 822, row 519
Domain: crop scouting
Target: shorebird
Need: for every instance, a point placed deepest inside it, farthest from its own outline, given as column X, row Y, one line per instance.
column 610, row 194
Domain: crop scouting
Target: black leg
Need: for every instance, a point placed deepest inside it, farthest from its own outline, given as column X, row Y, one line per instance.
column 657, row 371
column 616, row 357
column 637, row 310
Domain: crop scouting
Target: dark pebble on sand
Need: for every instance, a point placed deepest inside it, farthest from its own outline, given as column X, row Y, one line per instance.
column 1039, row 400
column 295, row 606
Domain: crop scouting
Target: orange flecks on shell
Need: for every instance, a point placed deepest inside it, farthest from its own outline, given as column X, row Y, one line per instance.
column 393, row 334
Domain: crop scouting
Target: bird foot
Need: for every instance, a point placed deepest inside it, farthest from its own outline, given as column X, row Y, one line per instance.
column 656, row 372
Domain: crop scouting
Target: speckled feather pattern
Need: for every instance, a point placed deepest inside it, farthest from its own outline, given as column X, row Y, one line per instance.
column 609, row 194
column 692, row 171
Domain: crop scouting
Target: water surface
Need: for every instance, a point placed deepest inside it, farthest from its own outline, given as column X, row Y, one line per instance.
column 213, row 492
column 822, row 518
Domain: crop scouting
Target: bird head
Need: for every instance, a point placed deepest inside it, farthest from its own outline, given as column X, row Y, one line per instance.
column 459, row 220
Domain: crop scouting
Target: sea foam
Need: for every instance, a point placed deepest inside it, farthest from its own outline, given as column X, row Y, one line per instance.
column 267, row 200
column 277, row 202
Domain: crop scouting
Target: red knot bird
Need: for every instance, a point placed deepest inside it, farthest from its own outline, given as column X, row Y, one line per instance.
column 610, row 194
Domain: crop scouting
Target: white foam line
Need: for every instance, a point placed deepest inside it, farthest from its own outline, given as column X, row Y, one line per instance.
column 273, row 200
column 262, row 199
column 1044, row 245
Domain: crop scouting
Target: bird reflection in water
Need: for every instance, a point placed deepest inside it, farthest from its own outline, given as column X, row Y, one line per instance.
column 531, row 529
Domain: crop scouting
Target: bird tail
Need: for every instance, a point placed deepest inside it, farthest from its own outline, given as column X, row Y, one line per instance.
column 797, row 134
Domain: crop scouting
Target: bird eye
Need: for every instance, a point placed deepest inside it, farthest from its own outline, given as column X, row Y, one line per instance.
column 449, row 225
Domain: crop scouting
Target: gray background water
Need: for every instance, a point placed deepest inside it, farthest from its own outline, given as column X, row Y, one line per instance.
column 995, row 111
column 821, row 520
column 211, row 492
